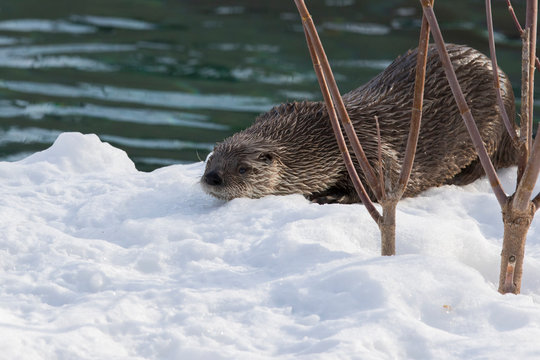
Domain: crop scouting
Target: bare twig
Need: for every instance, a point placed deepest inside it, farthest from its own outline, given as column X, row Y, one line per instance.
column 519, row 28
column 368, row 171
column 524, row 119
column 525, row 187
column 416, row 114
column 530, row 23
column 379, row 157
column 339, row 135
column 530, row 175
column 462, row 104
column 514, row 17
column 507, row 123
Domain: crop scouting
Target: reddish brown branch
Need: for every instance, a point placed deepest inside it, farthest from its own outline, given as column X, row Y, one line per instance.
column 526, row 185
column 524, row 147
column 379, row 157
column 530, row 175
column 339, row 135
column 519, row 28
column 416, row 114
column 462, row 104
column 530, row 23
column 507, row 123
column 367, row 169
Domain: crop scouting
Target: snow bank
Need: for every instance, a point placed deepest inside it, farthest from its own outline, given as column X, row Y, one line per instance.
column 101, row 261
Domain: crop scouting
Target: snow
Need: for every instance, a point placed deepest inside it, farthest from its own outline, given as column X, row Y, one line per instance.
column 101, row 261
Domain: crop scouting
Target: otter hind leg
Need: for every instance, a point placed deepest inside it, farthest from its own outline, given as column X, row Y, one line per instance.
column 504, row 156
column 468, row 174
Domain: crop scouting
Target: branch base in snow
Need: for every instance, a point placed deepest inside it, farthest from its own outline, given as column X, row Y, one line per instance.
column 516, row 227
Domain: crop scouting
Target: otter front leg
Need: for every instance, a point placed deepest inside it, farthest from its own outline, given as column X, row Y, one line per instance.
column 333, row 196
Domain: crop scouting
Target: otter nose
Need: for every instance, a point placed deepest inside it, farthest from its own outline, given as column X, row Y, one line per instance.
column 213, row 178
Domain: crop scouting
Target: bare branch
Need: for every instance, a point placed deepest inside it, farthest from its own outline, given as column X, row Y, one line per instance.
column 524, row 120
column 519, row 28
column 530, row 23
column 514, row 17
column 379, row 157
column 507, row 123
column 530, row 175
column 367, row 169
column 416, row 114
column 462, row 104
column 339, row 135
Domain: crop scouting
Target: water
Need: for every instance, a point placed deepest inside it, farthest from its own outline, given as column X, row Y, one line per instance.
column 165, row 80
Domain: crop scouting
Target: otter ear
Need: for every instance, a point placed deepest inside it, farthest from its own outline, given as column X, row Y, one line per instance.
column 266, row 157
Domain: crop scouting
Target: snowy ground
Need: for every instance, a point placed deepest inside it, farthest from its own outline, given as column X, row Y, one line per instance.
column 100, row 261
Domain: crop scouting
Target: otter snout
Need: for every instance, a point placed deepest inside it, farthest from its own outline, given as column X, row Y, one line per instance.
column 212, row 178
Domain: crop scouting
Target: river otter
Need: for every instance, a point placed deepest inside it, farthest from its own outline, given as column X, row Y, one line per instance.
column 291, row 149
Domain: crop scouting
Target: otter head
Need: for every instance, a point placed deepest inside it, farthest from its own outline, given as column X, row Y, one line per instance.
column 241, row 166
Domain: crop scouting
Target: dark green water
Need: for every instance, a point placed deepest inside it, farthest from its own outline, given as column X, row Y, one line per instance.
column 165, row 80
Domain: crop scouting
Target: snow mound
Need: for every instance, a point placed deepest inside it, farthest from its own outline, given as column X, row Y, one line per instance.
column 101, row 261
column 78, row 153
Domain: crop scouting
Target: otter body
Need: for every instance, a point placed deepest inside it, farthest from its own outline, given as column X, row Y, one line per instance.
column 291, row 149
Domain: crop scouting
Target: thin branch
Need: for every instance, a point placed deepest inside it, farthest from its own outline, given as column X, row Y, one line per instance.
column 416, row 113
column 524, row 119
column 507, row 123
column 526, row 185
column 339, row 135
column 462, row 104
column 369, row 173
column 379, row 157
column 530, row 175
column 530, row 23
column 519, row 28
column 514, row 17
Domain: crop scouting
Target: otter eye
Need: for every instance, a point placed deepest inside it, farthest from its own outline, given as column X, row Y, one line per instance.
column 242, row 170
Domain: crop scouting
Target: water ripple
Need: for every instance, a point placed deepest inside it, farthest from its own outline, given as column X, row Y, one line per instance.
column 169, row 144
column 38, row 135
column 141, row 116
column 55, row 62
column 34, row 50
column 369, row 64
column 6, row 40
column 41, row 25
column 359, row 28
column 28, row 135
column 141, row 96
column 113, row 22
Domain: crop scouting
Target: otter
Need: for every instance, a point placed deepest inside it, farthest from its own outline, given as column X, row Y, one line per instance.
column 291, row 149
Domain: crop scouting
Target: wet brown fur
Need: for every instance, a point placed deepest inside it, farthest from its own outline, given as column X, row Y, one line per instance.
column 292, row 149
